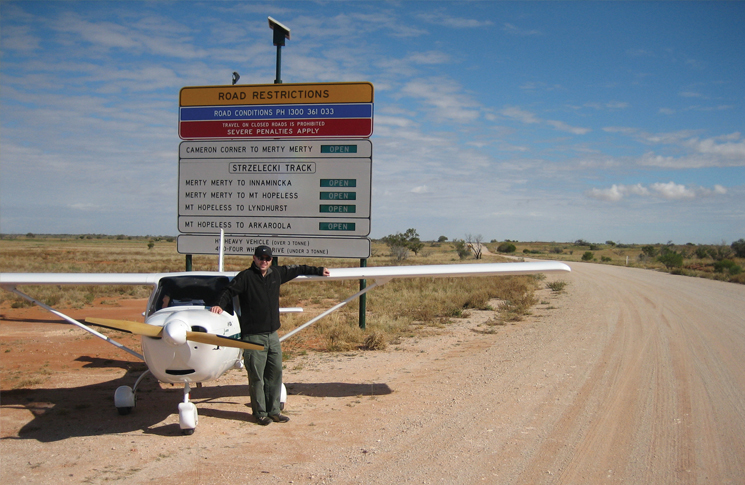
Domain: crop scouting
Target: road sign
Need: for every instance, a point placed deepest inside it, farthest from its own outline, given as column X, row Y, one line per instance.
column 303, row 247
column 285, row 226
column 289, row 187
column 328, row 110
column 278, row 128
column 258, row 94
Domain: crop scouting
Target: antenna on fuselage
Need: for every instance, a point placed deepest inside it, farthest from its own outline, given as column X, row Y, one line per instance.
column 221, row 253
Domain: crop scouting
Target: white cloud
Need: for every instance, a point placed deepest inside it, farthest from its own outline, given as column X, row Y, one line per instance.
column 519, row 115
column 608, row 105
column 514, row 30
column 727, row 150
column 429, row 57
column 617, row 192
column 673, row 191
column 690, row 151
column 527, row 117
column 439, row 18
column 445, row 98
column 84, row 206
column 18, row 38
column 665, row 190
column 561, row 126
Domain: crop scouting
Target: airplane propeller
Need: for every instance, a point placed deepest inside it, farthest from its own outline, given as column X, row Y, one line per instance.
column 174, row 332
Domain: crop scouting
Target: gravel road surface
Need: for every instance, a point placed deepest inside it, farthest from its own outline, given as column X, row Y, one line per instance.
column 628, row 376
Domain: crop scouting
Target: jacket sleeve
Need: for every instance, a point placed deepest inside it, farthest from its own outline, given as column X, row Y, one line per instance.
column 294, row 270
column 235, row 287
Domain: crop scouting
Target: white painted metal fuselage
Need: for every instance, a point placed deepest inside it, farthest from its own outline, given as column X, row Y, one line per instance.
column 174, row 359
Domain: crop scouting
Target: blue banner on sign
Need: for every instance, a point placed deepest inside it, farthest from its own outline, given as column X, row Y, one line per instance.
column 286, row 111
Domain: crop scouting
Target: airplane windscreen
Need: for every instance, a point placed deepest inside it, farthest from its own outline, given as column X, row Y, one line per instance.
column 190, row 291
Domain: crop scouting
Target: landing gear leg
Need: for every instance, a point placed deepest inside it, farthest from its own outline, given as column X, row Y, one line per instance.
column 187, row 413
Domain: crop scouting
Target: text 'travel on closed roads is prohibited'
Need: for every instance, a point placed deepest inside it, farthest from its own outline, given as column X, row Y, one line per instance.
column 280, row 187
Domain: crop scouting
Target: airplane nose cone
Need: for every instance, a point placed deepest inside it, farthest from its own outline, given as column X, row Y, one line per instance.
column 174, row 332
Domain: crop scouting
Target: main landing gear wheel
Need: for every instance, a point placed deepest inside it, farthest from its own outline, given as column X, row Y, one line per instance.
column 125, row 397
column 124, row 400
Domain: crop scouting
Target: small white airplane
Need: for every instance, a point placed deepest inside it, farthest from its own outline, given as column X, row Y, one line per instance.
column 183, row 342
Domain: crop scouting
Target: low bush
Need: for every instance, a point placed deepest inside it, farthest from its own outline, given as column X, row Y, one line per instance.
column 506, row 247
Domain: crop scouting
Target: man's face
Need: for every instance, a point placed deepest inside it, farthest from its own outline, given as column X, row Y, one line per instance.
column 263, row 262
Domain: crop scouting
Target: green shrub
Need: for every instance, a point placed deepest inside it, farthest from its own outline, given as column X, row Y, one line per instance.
column 727, row 265
column 649, row 251
column 506, row 247
column 739, row 248
column 671, row 259
column 588, row 256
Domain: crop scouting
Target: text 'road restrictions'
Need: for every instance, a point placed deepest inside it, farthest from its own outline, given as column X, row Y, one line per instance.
column 300, row 247
column 271, row 94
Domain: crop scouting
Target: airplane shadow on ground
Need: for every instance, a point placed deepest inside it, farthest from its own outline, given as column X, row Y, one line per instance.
column 61, row 413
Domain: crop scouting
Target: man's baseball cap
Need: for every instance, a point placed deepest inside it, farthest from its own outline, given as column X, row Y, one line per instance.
column 262, row 251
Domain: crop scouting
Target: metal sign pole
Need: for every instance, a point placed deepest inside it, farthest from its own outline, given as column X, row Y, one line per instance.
column 363, row 297
column 280, row 34
column 278, row 77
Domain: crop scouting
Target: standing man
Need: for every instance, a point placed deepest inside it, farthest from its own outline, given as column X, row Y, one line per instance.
column 257, row 289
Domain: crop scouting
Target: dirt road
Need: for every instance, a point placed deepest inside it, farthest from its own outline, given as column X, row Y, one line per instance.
column 629, row 376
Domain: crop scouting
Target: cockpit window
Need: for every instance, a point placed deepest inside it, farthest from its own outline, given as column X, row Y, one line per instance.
column 189, row 291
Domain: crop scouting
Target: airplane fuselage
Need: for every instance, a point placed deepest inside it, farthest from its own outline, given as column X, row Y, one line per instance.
column 173, row 359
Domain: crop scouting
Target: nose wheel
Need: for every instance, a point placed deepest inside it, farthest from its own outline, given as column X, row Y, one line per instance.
column 187, row 413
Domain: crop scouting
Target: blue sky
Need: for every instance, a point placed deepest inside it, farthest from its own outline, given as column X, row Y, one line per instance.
column 543, row 121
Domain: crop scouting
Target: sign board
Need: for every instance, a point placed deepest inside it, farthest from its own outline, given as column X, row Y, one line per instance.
column 281, row 187
column 253, row 94
column 326, row 110
column 302, row 247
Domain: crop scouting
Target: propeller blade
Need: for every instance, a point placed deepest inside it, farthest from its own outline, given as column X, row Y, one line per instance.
column 212, row 339
column 127, row 326
column 156, row 332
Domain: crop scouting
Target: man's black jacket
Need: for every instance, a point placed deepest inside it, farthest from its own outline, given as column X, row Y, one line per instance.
column 259, row 295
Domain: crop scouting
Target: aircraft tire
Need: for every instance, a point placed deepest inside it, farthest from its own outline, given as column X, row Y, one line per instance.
column 188, row 417
column 124, row 400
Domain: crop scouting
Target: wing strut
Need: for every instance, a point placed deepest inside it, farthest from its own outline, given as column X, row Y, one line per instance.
column 73, row 321
column 378, row 282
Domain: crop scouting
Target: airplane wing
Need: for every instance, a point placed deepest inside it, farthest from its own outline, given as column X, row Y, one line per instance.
column 371, row 272
column 12, row 279
column 383, row 274
column 380, row 274
column 440, row 271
